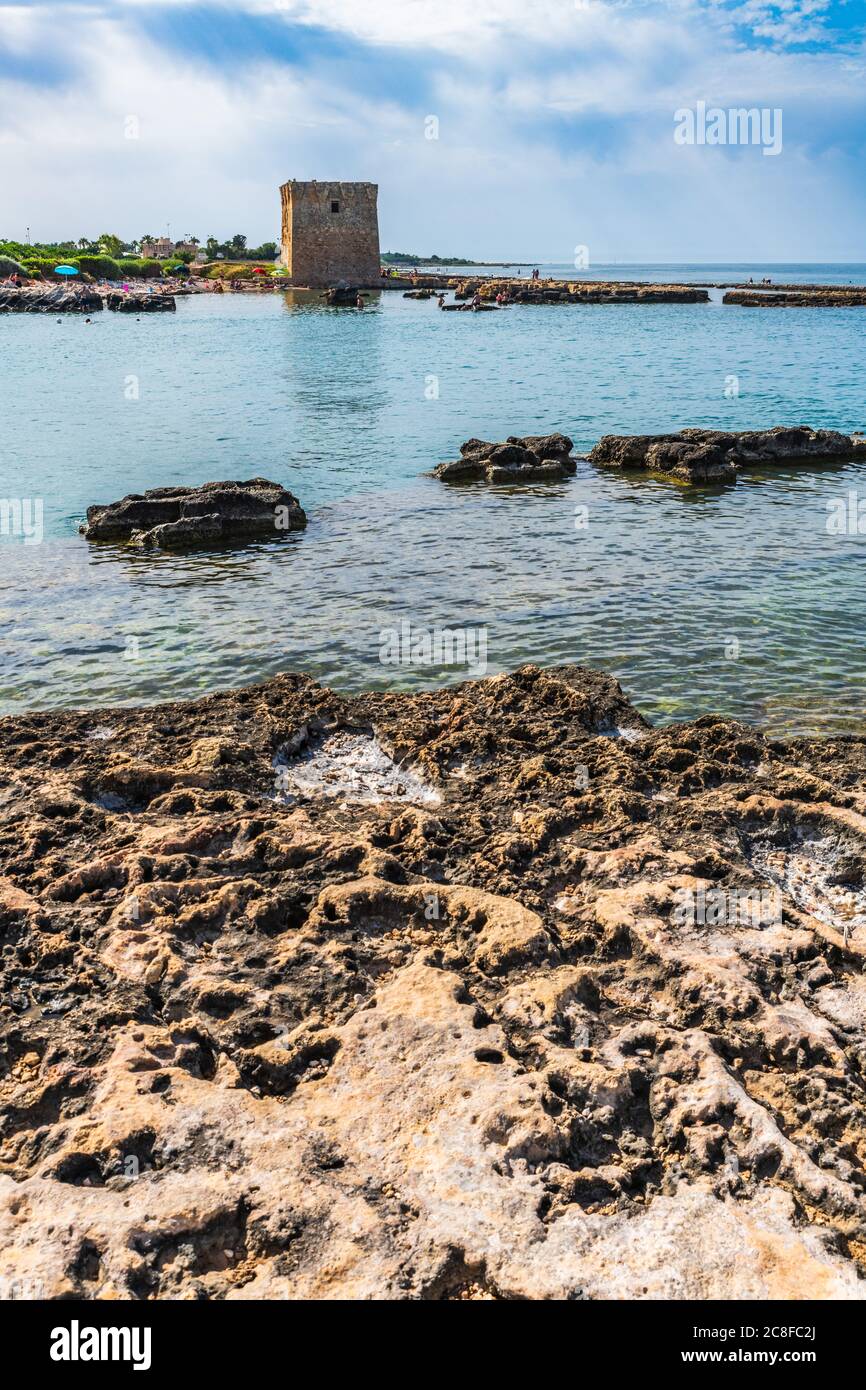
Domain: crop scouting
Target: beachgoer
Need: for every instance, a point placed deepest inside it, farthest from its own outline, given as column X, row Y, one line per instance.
column 359, row 302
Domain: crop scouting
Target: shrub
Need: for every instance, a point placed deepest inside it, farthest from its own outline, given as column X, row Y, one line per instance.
column 100, row 267
column 42, row 265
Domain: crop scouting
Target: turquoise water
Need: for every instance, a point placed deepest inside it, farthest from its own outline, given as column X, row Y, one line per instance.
column 721, row 272
column 734, row 600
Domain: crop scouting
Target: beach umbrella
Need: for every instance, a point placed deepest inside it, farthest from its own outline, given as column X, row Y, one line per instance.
column 259, row 270
column 65, row 270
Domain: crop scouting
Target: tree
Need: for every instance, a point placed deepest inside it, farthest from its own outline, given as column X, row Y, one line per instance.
column 110, row 244
column 238, row 243
column 212, row 246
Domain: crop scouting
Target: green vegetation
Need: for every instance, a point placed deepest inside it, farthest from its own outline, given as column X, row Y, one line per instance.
column 236, row 270
column 404, row 258
column 109, row 257
column 86, row 257
column 237, row 250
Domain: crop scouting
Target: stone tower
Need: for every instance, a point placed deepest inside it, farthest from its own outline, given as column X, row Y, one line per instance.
column 330, row 233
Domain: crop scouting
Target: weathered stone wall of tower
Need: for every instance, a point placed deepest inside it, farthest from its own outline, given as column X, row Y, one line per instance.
column 330, row 233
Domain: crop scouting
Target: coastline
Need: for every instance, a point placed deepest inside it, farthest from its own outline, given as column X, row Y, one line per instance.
column 489, row 953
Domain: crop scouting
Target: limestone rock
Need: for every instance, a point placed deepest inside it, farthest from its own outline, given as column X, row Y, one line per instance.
column 707, row 456
column 53, row 299
column 538, row 1039
column 179, row 517
column 140, row 303
column 533, row 458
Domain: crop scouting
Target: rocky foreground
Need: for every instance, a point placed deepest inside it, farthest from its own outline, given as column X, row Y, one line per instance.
column 179, row 518
column 709, row 456
column 442, row 996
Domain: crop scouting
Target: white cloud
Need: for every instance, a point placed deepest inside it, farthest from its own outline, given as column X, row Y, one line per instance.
column 555, row 128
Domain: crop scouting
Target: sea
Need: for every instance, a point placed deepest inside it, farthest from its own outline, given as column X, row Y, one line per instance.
column 746, row 600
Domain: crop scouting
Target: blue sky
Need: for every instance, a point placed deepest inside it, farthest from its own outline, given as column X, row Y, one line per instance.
column 555, row 121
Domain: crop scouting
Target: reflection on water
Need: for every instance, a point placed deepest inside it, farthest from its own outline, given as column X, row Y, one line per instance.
column 727, row 599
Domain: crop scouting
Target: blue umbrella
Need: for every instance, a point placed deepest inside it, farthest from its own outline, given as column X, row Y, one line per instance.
column 65, row 270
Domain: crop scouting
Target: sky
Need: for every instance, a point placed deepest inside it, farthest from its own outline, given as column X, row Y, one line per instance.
column 499, row 129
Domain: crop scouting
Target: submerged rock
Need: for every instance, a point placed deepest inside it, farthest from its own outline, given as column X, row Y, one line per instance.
column 532, row 458
column 139, row 303
column 278, row 1023
column 706, row 456
column 174, row 518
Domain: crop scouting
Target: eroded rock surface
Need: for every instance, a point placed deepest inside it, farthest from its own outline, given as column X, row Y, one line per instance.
column 533, row 458
column 555, row 291
column 139, row 303
column 53, row 299
column 258, row 1039
column 179, row 517
column 815, row 297
column 700, row 456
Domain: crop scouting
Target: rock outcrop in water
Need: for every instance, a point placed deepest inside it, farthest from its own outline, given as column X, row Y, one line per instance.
column 59, row 299
column 175, row 518
column 831, row 297
column 707, row 456
column 56, row 299
column 139, row 303
column 532, row 458
column 567, row 1007
column 580, row 292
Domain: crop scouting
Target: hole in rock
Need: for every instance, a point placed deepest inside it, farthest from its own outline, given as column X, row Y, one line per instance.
column 351, row 766
column 822, row 875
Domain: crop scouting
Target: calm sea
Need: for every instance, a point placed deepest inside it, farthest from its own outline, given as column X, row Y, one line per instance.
column 734, row 600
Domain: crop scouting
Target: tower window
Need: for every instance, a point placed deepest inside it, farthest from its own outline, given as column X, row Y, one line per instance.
column 335, row 206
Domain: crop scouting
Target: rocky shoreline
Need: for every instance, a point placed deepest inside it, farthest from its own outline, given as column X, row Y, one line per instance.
column 421, row 997
column 82, row 299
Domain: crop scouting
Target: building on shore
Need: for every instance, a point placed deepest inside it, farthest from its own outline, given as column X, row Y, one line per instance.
column 158, row 249
column 330, row 233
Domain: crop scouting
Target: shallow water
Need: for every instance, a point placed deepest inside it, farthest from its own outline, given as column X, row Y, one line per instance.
column 733, row 600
